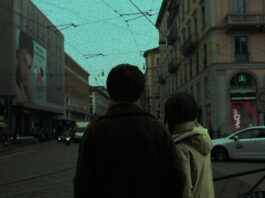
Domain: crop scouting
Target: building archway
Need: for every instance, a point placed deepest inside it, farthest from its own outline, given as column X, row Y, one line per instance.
column 243, row 88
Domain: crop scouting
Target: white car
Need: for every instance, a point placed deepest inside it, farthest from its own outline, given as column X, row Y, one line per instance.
column 248, row 143
column 80, row 130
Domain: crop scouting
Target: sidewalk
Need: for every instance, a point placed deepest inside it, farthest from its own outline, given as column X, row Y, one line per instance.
column 14, row 147
column 230, row 188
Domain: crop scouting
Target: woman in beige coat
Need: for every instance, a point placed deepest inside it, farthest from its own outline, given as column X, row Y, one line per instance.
column 193, row 145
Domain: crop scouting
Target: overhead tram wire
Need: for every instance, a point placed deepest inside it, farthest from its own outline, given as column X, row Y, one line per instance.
column 82, row 55
column 41, row 25
column 141, row 12
column 110, row 19
column 135, row 41
column 136, row 32
column 62, row 8
column 33, row 21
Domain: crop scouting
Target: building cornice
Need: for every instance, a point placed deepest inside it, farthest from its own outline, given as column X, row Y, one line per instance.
column 161, row 13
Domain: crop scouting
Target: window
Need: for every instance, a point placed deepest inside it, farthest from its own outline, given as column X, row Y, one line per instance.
column 183, row 10
column 182, row 76
column 198, row 91
column 189, row 31
column 261, row 133
column 190, row 60
column 252, row 133
column 241, row 45
column 243, row 81
column 239, row 6
column 241, row 48
column 205, row 55
column 157, row 61
column 188, row 5
column 196, row 25
column 206, row 88
column 185, row 73
column 203, row 17
column 197, row 62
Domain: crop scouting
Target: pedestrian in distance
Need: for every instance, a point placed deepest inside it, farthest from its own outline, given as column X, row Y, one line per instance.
column 193, row 145
column 127, row 153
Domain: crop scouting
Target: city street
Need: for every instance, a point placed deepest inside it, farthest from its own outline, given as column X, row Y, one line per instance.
column 46, row 170
column 39, row 170
column 230, row 188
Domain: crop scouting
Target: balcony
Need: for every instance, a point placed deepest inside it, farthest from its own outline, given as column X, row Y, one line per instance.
column 173, row 8
column 239, row 22
column 172, row 67
column 172, row 34
column 189, row 45
column 242, row 57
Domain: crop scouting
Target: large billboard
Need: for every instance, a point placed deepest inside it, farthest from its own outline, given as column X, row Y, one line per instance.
column 31, row 66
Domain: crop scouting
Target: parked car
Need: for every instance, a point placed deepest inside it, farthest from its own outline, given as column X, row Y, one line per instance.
column 80, row 130
column 248, row 143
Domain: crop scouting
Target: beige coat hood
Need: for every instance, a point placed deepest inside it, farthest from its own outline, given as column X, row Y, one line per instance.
column 196, row 136
column 193, row 146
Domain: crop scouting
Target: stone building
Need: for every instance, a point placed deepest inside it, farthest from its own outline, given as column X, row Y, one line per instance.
column 76, row 91
column 152, row 96
column 31, row 68
column 214, row 50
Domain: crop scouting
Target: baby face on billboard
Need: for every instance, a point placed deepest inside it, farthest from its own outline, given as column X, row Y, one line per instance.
column 24, row 68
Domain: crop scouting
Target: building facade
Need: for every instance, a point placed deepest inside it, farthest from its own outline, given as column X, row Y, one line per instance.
column 152, row 96
column 166, row 56
column 76, row 91
column 31, row 68
column 219, row 58
column 99, row 101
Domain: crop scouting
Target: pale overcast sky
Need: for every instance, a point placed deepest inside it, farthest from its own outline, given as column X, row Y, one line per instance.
column 110, row 32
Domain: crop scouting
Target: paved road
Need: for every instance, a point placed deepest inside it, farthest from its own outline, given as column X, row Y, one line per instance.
column 41, row 170
column 231, row 188
column 46, row 170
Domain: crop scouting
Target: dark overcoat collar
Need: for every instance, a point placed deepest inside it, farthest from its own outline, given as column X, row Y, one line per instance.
column 119, row 109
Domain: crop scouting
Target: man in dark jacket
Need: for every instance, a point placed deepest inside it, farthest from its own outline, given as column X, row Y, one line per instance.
column 127, row 153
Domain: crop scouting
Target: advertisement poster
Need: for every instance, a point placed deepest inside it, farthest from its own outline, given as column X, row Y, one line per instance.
column 31, row 62
column 243, row 114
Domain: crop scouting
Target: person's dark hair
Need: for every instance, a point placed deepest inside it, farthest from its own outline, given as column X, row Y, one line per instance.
column 125, row 83
column 26, row 42
column 180, row 107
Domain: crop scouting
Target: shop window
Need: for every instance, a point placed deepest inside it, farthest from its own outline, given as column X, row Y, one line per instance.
column 243, row 81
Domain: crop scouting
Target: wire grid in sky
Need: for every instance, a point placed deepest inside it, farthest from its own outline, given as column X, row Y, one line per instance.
column 108, row 32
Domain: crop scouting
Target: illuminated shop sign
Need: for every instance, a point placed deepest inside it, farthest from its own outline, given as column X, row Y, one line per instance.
column 243, row 97
column 243, row 114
